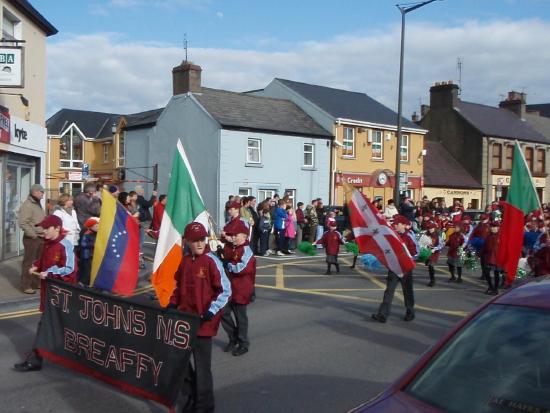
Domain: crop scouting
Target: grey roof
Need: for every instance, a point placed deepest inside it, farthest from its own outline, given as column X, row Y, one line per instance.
column 142, row 119
column 347, row 105
column 540, row 123
column 441, row 169
column 94, row 125
column 242, row 111
column 542, row 108
column 498, row 122
column 25, row 7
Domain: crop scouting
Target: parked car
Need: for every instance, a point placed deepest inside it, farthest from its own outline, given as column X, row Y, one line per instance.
column 496, row 360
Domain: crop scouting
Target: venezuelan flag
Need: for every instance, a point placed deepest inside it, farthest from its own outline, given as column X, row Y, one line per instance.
column 116, row 252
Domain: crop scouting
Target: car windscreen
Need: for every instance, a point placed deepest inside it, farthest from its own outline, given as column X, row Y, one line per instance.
column 499, row 362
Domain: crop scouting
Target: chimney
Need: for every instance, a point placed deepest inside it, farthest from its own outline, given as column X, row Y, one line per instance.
column 424, row 109
column 515, row 102
column 444, row 95
column 186, row 78
column 414, row 117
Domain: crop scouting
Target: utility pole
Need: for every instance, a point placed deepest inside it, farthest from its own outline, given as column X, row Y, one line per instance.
column 404, row 9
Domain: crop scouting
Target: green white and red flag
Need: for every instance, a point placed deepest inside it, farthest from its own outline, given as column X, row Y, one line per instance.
column 184, row 205
column 521, row 200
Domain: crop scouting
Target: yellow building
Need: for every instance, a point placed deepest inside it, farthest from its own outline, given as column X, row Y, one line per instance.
column 365, row 144
column 82, row 146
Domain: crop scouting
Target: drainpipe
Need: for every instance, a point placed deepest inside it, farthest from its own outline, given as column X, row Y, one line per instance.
column 333, row 174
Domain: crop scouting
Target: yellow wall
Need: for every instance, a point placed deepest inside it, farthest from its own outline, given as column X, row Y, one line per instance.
column 364, row 163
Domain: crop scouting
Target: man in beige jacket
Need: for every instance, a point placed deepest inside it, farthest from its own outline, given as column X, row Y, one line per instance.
column 31, row 213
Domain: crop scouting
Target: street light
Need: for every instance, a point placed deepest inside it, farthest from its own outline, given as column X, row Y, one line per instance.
column 404, row 9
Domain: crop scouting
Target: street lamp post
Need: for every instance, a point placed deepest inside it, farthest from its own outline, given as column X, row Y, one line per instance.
column 404, row 9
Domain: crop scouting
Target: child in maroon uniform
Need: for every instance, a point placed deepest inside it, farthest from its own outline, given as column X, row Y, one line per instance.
column 489, row 254
column 454, row 261
column 202, row 288
column 56, row 261
column 436, row 246
column 331, row 240
column 478, row 236
column 241, row 270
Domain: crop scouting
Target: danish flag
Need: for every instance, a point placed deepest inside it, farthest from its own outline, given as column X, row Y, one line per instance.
column 374, row 236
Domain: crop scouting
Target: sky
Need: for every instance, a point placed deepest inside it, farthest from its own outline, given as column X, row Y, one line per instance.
column 117, row 55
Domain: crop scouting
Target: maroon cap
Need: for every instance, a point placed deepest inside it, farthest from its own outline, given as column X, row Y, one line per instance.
column 431, row 225
column 237, row 226
column 234, row 204
column 332, row 223
column 483, row 217
column 50, row 221
column 195, row 231
column 495, row 223
column 400, row 219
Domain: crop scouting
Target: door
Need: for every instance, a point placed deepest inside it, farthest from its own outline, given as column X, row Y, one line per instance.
column 17, row 186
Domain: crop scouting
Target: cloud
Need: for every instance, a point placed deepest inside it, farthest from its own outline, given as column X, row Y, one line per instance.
column 219, row 14
column 123, row 77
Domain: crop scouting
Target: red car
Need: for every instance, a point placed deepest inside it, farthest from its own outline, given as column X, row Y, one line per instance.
column 495, row 360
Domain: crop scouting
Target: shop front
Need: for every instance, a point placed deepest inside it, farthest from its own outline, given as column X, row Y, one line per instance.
column 22, row 164
column 500, row 184
column 469, row 198
column 380, row 183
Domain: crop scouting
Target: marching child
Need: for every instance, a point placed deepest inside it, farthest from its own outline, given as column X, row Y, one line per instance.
column 56, row 261
column 241, row 270
column 489, row 254
column 331, row 241
column 436, row 246
column 87, row 244
column 454, row 261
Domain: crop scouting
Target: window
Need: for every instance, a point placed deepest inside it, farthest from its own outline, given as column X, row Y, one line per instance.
column 541, row 161
column 497, row 156
column 529, row 158
column 254, row 151
column 509, row 157
column 377, row 144
column 348, row 150
column 309, row 155
column 105, row 152
column 11, row 26
column 404, row 148
column 291, row 194
column 245, row 192
column 70, row 149
column 265, row 193
column 71, row 188
column 121, row 148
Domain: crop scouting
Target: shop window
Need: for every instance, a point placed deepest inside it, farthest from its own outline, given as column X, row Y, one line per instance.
column 71, row 149
column 404, row 148
column 348, row 149
column 541, row 161
column 475, row 203
column 254, row 151
column 309, row 155
column 497, row 156
column 377, row 144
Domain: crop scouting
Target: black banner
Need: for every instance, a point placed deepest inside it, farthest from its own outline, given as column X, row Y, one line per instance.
column 139, row 348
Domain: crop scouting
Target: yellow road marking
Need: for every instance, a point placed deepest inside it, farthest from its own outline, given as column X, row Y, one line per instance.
column 445, row 271
column 279, row 277
column 17, row 314
column 320, row 293
column 308, row 262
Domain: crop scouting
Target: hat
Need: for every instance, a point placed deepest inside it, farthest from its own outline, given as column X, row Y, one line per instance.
column 483, row 217
column 377, row 198
column 237, row 226
column 113, row 189
column 431, row 225
column 90, row 222
column 37, row 187
column 400, row 219
column 467, row 218
column 50, row 221
column 332, row 223
column 233, row 204
column 195, row 231
column 495, row 223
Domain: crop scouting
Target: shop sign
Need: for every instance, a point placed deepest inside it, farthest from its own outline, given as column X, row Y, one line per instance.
column 27, row 135
column 75, row 176
column 352, row 179
column 11, row 67
column 5, row 126
column 505, row 181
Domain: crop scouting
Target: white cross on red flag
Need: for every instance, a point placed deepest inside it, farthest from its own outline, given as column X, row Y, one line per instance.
column 374, row 236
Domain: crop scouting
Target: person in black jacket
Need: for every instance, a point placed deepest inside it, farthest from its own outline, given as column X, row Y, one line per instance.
column 145, row 217
column 255, row 235
column 407, row 209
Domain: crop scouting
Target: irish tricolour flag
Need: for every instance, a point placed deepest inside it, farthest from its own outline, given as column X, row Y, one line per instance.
column 184, row 206
column 522, row 199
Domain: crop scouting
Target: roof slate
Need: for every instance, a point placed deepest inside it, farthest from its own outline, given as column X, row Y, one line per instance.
column 94, row 125
column 244, row 111
column 441, row 169
column 498, row 122
column 142, row 119
column 344, row 104
column 540, row 123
